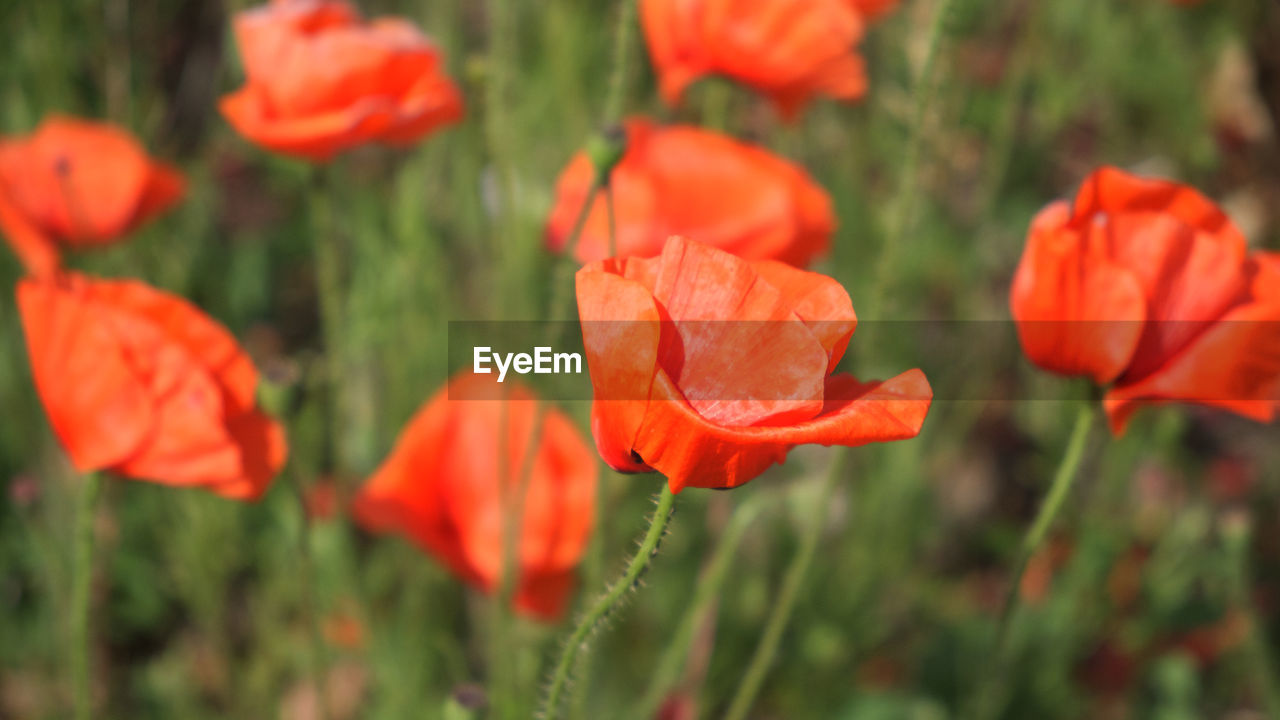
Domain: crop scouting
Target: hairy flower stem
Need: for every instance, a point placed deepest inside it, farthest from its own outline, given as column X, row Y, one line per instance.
column 767, row 650
column 606, row 151
column 579, row 641
column 504, row 691
column 561, row 287
column 82, row 582
column 1063, row 480
column 331, row 292
column 592, row 576
column 705, row 595
column 925, row 92
column 1238, row 537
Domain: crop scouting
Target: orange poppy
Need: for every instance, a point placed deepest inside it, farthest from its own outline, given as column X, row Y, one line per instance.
column 80, row 184
column 682, row 180
column 320, row 80
column 790, row 50
column 709, row 368
column 449, row 478
column 1147, row 287
column 141, row 384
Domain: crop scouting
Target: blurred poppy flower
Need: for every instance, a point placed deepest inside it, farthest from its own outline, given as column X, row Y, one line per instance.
column 447, row 482
column 709, row 369
column 80, row 184
column 141, row 384
column 320, row 80
column 681, row 180
column 1145, row 286
column 790, row 50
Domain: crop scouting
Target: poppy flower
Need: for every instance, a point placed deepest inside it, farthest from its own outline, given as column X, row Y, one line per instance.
column 709, row 368
column 320, row 80
column 682, row 180
column 141, row 384
column 449, row 478
column 790, row 50
column 80, row 184
column 1146, row 287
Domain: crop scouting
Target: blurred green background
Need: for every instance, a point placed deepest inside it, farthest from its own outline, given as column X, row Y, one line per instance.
column 1134, row 611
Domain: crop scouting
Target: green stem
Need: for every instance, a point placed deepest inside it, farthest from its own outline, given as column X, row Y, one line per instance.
column 606, row 151
column 562, row 284
column 580, row 639
column 1238, row 541
column 1063, row 480
column 705, row 595
column 82, row 583
column 504, row 691
column 767, row 650
column 904, row 210
column 326, row 246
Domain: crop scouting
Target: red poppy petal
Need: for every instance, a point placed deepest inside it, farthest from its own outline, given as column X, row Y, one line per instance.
column 717, row 301
column 559, row 510
column 96, row 404
column 99, row 172
column 693, row 452
column 189, row 444
column 433, row 103
column 672, row 29
column 315, row 137
column 1076, row 313
column 164, row 189
column 620, row 331
column 1234, row 364
column 819, row 300
column 263, row 448
column 405, row 495
column 38, row 253
column 1189, row 278
column 788, row 48
column 207, row 342
column 1113, row 191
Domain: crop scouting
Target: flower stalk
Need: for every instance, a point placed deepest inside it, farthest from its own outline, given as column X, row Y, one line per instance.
column 1063, row 481
column 331, row 293
column 579, row 641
